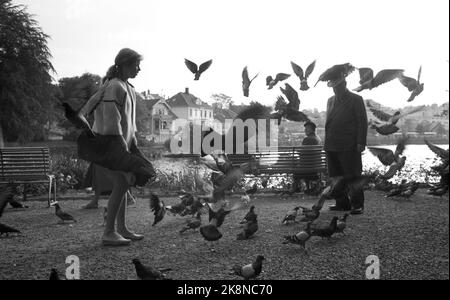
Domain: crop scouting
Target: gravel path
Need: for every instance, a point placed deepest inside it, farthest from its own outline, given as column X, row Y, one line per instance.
column 411, row 239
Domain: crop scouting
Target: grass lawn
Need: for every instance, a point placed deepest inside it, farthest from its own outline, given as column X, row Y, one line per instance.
column 411, row 239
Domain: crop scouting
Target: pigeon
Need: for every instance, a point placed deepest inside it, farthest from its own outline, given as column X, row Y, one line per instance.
column 197, row 70
column 396, row 190
column 210, row 232
column 249, row 229
column 303, row 76
column 193, row 209
column 336, row 72
column 249, row 271
column 176, row 209
column 217, row 215
column 63, row 215
column 16, row 204
column 5, row 229
column 290, row 110
column 387, row 123
column 158, row 208
column 193, row 223
column 440, row 191
column 341, row 223
column 270, row 82
column 291, row 215
column 252, row 190
column 246, row 82
column 300, row 238
column 54, row 275
column 442, row 153
column 413, row 85
column 409, row 190
column 367, row 81
column 391, row 159
column 250, row 216
column 77, row 119
column 328, row 231
column 148, row 272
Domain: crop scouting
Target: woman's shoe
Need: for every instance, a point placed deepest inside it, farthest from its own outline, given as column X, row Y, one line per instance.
column 133, row 236
column 115, row 240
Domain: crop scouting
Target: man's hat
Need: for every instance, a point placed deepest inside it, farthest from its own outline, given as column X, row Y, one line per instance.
column 125, row 55
column 336, row 74
column 310, row 123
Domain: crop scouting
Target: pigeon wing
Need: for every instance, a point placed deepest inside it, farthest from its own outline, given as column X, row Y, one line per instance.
column 381, row 115
column 310, row 69
column 365, row 74
column 191, row 66
column 385, row 76
column 281, row 77
column 408, row 82
column 385, row 156
column 204, row 66
column 442, row 153
column 297, row 70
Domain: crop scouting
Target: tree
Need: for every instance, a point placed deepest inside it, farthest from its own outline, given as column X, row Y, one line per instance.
column 221, row 101
column 26, row 92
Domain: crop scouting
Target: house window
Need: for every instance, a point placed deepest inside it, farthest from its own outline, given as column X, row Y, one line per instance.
column 164, row 125
column 190, row 112
column 210, row 115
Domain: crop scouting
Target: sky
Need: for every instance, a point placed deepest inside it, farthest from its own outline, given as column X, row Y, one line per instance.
column 264, row 35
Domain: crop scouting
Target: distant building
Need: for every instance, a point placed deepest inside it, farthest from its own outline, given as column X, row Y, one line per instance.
column 188, row 107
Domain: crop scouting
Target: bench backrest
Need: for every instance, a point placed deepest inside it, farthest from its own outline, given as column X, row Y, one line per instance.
column 27, row 163
column 295, row 160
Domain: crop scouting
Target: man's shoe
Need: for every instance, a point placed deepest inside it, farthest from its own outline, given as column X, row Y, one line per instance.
column 338, row 208
column 357, row 211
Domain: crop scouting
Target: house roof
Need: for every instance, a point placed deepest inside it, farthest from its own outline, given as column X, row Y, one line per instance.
column 187, row 100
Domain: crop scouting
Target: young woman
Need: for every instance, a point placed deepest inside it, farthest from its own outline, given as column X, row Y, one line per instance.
column 115, row 114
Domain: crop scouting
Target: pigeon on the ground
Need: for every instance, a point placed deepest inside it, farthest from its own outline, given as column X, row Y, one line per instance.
column 63, row 215
column 193, row 223
column 291, row 215
column 300, row 238
column 342, row 223
column 197, row 70
column 249, row 229
column 249, row 216
column 54, row 274
column 327, row 231
column 147, row 272
column 249, row 271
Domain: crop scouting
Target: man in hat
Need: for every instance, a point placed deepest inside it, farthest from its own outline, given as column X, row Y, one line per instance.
column 345, row 137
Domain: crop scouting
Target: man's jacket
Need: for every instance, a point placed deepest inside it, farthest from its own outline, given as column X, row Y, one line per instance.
column 346, row 124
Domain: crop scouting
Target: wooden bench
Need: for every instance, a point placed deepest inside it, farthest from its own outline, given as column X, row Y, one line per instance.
column 300, row 160
column 27, row 165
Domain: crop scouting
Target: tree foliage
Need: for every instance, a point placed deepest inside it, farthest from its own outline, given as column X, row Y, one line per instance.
column 26, row 92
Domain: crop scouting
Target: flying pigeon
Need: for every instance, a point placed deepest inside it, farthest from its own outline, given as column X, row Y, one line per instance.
column 387, row 123
column 303, row 76
column 197, row 70
column 367, row 81
column 270, row 82
column 336, row 73
column 413, row 85
column 391, row 159
column 246, row 82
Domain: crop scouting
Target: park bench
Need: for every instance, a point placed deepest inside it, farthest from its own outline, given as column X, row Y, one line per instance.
column 27, row 165
column 301, row 160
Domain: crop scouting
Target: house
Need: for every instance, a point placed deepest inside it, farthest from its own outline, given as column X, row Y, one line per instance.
column 161, row 118
column 190, row 108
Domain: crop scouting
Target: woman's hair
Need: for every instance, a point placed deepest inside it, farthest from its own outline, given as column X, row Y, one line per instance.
column 124, row 57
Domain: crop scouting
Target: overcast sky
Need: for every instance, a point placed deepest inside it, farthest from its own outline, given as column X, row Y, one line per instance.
column 264, row 35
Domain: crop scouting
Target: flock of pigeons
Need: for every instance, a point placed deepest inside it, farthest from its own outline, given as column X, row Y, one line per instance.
column 225, row 175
